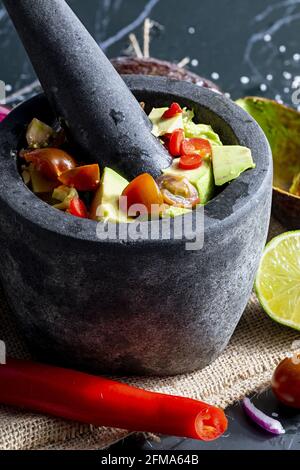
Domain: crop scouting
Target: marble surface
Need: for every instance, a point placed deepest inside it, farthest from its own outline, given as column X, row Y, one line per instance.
column 249, row 47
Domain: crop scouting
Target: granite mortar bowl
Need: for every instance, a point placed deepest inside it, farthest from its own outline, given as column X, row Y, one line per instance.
column 143, row 306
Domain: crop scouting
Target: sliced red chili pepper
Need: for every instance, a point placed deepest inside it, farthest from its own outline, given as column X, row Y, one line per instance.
column 175, row 142
column 172, row 111
column 191, row 146
column 190, row 162
column 78, row 208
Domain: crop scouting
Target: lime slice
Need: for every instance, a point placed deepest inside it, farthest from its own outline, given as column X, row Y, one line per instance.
column 278, row 279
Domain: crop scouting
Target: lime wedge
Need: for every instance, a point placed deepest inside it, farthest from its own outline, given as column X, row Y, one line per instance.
column 277, row 282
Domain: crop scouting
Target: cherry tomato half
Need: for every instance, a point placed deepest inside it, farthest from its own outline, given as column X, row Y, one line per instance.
column 82, row 178
column 191, row 146
column 143, row 190
column 178, row 191
column 78, row 208
column 51, row 162
column 172, row 111
column 190, row 162
column 286, row 381
column 175, row 142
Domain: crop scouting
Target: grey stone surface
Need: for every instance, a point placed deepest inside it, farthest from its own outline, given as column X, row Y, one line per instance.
column 145, row 306
column 83, row 87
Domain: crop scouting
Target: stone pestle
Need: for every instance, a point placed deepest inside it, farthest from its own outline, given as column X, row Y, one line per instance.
column 102, row 115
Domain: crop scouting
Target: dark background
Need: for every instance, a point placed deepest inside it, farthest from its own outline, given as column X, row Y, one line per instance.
column 234, row 38
column 253, row 46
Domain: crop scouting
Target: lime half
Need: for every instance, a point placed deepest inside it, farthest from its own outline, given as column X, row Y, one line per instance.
column 278, row 279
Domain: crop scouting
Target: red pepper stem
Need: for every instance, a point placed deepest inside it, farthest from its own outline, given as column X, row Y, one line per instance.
column 102, row 402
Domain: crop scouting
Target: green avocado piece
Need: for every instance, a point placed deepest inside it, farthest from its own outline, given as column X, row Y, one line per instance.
column 202, row 178
column 164, row 126
column 229, row 161
column 281, row 125
column 105, row 205
column 173, row 211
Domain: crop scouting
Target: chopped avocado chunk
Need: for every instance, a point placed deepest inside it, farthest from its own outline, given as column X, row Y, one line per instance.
column 38, row 134
column 173, row 211
column 105, row 205
column 229, row 161
column 295, row 188
column 202, row 131
column 164, row 126
column 202, row 178
column 65, row 195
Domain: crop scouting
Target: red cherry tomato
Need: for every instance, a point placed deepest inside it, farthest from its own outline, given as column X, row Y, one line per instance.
column 172, row 111
column 191, row 146
column 82, row 178
column 175, row 142
column 143, row 190
column 78, row 208
column 50, row 162
column 286, row 381
column 190, row 162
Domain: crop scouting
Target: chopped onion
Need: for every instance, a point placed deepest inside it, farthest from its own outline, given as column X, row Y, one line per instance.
column 3, row 112
column 261, row 419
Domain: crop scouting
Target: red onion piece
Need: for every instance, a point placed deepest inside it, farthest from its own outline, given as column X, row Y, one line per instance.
column 3, row 112
column 261, row 419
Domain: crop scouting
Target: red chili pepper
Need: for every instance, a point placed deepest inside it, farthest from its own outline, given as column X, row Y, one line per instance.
column 175, row 142
column 172, row 111
column 78, row 208
column 102, row 402
column 190, row 162
column 191, row 146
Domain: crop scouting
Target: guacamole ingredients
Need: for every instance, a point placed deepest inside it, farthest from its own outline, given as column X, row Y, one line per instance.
column 143, row 190
column 164, row 126
column 200, row 163
column 99, row 401
column 78, row 208
column 267, row 423
column 178, row 191
column 82, row 178
column 173, row 110
column 295, row 188
column 192, row 146
column 39, row 183
column 229, row 161
column 175, row 141
column 3, row 112
column 286, row 381
column 50, row 162
column 38, row 134
column 202, row 178
column 105, row 204
column 190, row 162
column 202, row 131
column 65, row 195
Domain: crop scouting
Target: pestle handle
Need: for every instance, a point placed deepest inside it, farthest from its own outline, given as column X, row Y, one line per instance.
column 103, row 117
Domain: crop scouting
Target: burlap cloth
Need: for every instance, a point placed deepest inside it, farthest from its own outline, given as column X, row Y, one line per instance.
column 257, row 346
